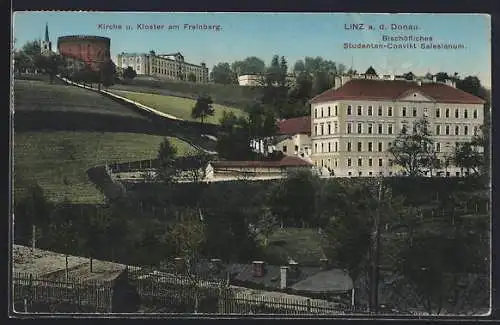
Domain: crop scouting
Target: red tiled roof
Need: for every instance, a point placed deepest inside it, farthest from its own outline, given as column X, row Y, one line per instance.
column 296, row 125
column 287, row 161
column 369, row 89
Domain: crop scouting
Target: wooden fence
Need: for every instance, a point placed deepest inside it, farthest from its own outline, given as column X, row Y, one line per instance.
column 29, row 290
column 283, row 305
column 162, row 292
column 215, row 296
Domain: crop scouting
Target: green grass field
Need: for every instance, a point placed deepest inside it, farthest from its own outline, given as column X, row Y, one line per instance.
column 228, row 95
column 58, row 161
column 176, row 106
column 303, row 245
column 32, row 95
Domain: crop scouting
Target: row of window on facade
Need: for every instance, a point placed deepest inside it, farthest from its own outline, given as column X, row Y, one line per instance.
column 405, row 112
column 172, row 64
column 349, row 162
column 368, row 162
column 334, row 147
column 390, row 173
column 167, row 72
column 131, row 60
column 389, row 129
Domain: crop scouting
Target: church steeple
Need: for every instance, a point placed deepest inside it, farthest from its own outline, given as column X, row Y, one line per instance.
column 47, row 32
column 46, row 45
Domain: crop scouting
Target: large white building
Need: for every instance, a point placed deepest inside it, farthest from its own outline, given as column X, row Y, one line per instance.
column 167, row 66
column 353, row 124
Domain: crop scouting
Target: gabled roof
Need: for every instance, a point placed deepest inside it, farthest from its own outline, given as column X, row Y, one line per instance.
column 243, row 273
column 296, row 125
column 370, row 89
column 413, row 90
column 287, row 161
column 335, row 280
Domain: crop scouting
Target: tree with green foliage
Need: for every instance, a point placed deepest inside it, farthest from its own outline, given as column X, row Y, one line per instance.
column 321, row 73
column 108, row 74
column 299, row 67
column 442, row 76
column 467, row 157
column 188, row 234
column 348, row 238
column 222, row 74
column 351, row 72
column 275, row 85
column 322, row 82
column 441, row 267
column 189, row 237
column 227, row 220
column 251, row 65
column 167, row 155
column 26, row 58
column 22, row 62
column 129, row 73
column 298, row 97
column 311, row 65
column 286, row 199
column 283, row 68
column 33, row 210
column 196, row 171
column 51, row 64
column 470, row 84
column 154, row 238
column 262, row 124
column 203, row 108
column 267, row 223
column 233, row 139
column 413, row 150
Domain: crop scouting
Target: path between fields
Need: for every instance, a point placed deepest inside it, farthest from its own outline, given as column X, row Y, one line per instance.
column 144, row 107
column 147, row 109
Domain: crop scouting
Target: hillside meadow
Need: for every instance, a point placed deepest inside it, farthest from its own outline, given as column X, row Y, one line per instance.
column 58, row 161
column 228, row 95
column 176, row 106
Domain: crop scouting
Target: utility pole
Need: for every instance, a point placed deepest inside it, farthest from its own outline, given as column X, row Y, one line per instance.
column 376, row 253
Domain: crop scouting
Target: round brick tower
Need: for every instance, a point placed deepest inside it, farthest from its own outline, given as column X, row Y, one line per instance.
column 91, row 50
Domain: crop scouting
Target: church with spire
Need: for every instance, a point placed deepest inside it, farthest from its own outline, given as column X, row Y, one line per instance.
column 45, row 44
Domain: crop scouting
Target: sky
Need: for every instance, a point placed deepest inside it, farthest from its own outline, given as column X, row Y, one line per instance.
column 294, row 36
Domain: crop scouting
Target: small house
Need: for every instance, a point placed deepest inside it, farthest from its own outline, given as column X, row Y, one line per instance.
column 49, row 278
column 220, row 170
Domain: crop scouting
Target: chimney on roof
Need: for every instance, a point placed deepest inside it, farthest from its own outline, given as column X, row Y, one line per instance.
column 283, row 277
column 450, row 82
column 294, row 268
column 258, row 269
column 325, row 264
column 180, row 265
column 338, row 82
